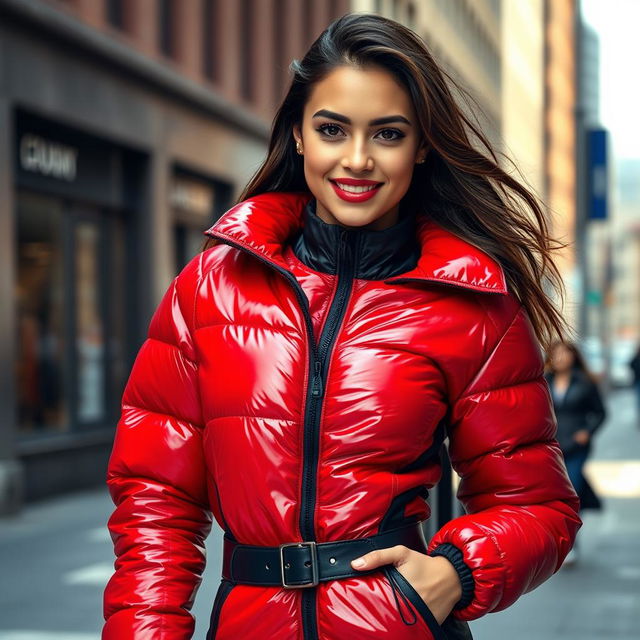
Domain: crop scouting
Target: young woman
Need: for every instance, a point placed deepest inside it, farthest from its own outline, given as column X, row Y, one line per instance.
column 377, row 288
column 579, row 411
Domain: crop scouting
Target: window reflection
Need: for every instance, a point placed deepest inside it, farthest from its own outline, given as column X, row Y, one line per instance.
column 41, row 376
column 89, row 327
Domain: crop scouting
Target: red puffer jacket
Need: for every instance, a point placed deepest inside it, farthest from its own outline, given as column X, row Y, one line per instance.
column 298, row 404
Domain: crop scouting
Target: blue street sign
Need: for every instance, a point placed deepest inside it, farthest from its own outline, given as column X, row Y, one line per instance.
column 597, row 174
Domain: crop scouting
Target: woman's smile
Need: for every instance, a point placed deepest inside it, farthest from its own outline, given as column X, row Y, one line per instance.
column 353, row 190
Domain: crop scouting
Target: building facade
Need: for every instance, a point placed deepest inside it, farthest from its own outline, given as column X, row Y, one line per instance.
column 523, row 89
column 131, row 126
column 562, row 152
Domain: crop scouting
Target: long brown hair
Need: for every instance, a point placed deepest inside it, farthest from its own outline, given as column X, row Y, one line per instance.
column 460, row 186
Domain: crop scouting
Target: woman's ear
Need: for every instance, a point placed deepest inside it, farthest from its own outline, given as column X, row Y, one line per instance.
column 421, row 153
column 297, row 133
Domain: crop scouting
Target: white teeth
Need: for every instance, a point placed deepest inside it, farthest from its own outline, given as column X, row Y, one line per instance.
column 351, row 189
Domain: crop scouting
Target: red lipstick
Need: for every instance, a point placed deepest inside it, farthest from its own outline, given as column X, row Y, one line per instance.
column 371, row 188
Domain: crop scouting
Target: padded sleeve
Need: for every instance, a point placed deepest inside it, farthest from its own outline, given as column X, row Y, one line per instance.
column 521, row 509
column 157, row 480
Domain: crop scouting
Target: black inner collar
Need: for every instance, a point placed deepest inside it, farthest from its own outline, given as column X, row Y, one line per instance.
column 379, row 254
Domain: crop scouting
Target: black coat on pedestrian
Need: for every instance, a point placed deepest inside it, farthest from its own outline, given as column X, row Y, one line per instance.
column 635, row 367
column 580, row 408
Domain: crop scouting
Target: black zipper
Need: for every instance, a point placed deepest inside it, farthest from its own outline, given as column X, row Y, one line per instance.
column 318, row 365
column 345, row 269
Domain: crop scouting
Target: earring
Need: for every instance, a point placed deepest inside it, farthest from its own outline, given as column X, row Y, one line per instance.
column 421, row 161
column 299, row 147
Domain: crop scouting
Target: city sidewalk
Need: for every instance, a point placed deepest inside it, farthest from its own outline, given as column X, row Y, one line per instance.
column 56, row 557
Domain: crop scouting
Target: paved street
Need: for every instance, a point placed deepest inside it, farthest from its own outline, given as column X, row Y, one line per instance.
column 56, row 557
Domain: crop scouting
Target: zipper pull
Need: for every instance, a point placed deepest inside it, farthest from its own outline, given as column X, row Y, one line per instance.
column 316, row 389
column 395, row 587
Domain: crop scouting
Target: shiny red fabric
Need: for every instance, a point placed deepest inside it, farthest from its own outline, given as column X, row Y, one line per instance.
column 212, row 424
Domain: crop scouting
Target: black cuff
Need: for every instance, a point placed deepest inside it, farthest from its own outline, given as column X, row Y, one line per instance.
column 456, row 557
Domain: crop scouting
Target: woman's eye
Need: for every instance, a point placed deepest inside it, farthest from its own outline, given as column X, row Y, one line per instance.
column 391, row 134
column 329, row 130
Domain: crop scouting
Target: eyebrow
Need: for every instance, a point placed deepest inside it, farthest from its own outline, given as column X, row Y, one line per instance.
column 372, row 123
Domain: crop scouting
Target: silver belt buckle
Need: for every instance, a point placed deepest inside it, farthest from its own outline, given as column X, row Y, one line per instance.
column 314, row 564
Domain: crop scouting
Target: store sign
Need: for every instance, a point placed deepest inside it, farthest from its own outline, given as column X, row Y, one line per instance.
column 52, row 159
column 192, row 196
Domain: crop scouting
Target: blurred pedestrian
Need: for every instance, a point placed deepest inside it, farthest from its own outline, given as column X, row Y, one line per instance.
column 580, row 412
column 377, row 287
column 634, row 365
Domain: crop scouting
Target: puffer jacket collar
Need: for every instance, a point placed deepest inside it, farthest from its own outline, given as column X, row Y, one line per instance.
column 379, row 254
column 264, row 224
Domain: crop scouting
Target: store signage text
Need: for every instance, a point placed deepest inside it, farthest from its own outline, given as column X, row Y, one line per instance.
column 193, row 196
column 52, row 159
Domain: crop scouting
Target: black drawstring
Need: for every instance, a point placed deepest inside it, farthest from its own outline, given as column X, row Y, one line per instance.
column 395, row 587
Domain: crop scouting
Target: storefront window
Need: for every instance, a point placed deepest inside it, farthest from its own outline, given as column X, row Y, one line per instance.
column 71, row 325
column 42, row 376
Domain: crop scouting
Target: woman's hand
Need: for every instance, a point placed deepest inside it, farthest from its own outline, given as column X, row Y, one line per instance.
column 434, row 578
column 582, row 437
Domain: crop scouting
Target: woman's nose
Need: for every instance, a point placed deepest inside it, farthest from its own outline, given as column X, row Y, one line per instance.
column 357, row 157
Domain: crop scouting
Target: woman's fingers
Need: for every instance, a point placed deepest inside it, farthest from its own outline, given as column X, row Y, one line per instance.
column 434, row 579
column 380, row 557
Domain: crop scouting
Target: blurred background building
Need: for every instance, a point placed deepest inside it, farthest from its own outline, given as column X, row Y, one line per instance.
column 128, row 126
column 132, row 124
column 626, row 251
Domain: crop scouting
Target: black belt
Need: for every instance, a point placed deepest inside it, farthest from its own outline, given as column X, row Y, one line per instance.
column 296, row 565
